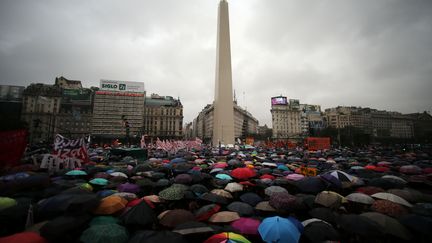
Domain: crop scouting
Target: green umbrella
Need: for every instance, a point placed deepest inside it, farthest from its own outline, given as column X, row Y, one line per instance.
column 172, row 193
column 106, row 233
column 103, row 220
column 99, row 181
column 7, row 202
column 76, row 173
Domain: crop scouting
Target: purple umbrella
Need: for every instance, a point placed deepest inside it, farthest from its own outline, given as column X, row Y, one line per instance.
column 247, row 226
column 128, row 187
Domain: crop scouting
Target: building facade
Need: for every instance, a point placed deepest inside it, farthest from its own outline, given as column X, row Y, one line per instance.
column 163, row 117
column 286, row 118
column 244, row 123
column 118, row 110
column 11, row 98
column 40, row 109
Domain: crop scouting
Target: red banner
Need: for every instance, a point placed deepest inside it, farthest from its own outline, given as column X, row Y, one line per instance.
column 316, row 143
column 12, row 146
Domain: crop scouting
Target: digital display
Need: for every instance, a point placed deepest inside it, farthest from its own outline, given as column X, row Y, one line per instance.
column 279, row 100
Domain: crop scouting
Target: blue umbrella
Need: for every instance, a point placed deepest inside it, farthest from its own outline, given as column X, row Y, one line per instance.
column 277, row 229
column 223, row 176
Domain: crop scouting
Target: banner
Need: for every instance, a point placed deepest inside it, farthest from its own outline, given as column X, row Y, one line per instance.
column 12, row 146
column 317, row 143
column 71, row 148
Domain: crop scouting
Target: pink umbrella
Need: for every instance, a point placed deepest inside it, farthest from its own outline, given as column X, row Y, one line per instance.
column 247, row 226
column 294, row 177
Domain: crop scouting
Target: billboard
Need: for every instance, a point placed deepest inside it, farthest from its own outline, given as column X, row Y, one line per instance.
column 122, row 86
column 280, row 100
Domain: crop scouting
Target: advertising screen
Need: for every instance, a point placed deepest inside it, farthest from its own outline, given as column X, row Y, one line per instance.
column 294, row 103
column 279, row 100
column 122, row 86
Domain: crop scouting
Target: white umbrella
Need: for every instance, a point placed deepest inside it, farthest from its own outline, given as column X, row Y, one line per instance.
column 360, row 198
column 392, row 198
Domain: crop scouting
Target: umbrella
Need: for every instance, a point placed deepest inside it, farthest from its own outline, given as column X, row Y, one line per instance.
column 172, row 193
column 265, row 206
column 294, row 177
column 277, row 229
column 76, row 173
column 386, row 183
column 424, row 209
column 360, row 198
column 7, row 202
column 228, row 237
column 183, row 179
column 150, row 236
column 389, row 208
column 192, row 227
column 106, row 233
column 140, row 215
column 206, row 212
column 392, row 198
column 101, row 220
column 243, row 173
column 27, row 237
column 410, row 195
column 224, row 217
column 247, row 226
column 325, row 214
column 175, row 217
column 223, row 176
column 64, row 228
column 390, row 225
column 362, row 226
column 234, row 187
column 274, row 189
column 128, row 187
column 198, row 189
column 392, row 177
column 410, row 169
column 282, row 201
column 310, row 184
column 222, row 193
column 110, row 205
column 251, row 198
column 211, row 197
column 119, row 174
column 320, row 231
column 417, row 223
column 329, row 199
column 338, row 178
column 243, row 209
column 178, row 160
column 369, row 190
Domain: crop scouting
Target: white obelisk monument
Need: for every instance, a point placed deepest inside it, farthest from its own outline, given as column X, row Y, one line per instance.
column 223, row 116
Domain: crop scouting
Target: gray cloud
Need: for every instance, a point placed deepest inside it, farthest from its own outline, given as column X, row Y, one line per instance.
column 361, row 53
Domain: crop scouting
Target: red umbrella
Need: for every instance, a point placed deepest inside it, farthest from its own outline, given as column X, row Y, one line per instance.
column 267, row 176
column 390, row 208
column 369, row 190
column 381, row 169
column 23, row 237
column 243, row 173
column 247, row 226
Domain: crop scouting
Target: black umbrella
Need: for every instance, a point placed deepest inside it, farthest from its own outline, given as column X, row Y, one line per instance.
column 13, row 219
column 251, row 198
column 198, row 189
column 386, row 184
column 65, row 228
column 417, row 223
column 243, row 209
column 192, row 227
column 325, row 214
column 141, row 215
column 362, row 226
column 211, row 197
column 150, row 236
column 311, row 184
column 320, row 232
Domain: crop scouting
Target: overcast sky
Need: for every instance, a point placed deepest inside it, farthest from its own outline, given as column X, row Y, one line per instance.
column 369, row 53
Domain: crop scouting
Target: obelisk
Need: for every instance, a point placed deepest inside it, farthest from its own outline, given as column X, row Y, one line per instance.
column 223, row 116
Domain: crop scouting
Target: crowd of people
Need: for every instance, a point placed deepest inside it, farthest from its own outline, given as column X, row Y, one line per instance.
column 259, row 194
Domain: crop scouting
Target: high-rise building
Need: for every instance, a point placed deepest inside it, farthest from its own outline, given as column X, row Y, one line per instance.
column 223, row 118
column 118, row 110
